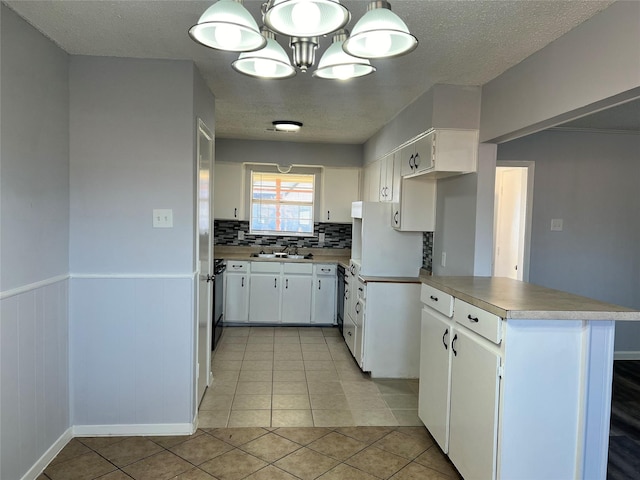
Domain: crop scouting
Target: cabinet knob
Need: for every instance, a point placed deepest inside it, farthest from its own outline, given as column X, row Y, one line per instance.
column 453, row 345
column 446, row 332
column 395, row 218
column 416, row 160
column 319, row 284
column 235, row 213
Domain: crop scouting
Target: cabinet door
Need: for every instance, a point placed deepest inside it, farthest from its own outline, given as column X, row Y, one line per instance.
column 407, row 165
column 435, row 374
column 423, row 154
column 227, row 191
column 396, row 177
column 386, row 179
column 340, row 187
column 324, row 299
column 296, row 299
column 474, row 406
column 236, row 298
column 359, row 322
column 264, row 298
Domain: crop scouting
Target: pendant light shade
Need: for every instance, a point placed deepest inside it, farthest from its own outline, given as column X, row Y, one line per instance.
column 335, row 64
column 227, row 25
column 380, row 33
column 305, row 18
column 269, row 62
column 286, row 125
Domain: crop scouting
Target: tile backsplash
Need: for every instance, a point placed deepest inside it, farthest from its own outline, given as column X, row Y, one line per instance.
column 337, row 235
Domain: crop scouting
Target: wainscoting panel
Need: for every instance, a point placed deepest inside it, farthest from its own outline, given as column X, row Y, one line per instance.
column 34, row 363
column 132, row 350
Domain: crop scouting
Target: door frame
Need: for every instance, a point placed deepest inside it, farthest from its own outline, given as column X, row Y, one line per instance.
column 526, row 256
column 202, row 129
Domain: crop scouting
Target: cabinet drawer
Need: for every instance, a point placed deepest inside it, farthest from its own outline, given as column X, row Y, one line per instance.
column 265, row 267
column 325, row 269
column 436, row 299
column 298, row 268
column 480, row 321
column 236, row 266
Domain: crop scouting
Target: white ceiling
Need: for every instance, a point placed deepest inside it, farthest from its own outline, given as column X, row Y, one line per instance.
column 461, row 43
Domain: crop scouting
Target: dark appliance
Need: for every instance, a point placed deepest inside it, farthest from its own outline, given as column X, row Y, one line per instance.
column 340, row 299
column 219, row 266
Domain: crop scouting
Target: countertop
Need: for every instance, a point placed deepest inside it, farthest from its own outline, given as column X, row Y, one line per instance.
column 509, row 298
column 339, row 256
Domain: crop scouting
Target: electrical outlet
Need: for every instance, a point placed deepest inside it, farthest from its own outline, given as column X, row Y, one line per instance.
column 240, row 234
column 556, row 224
column 321, row 238
column 443, row 259
column 162, row 218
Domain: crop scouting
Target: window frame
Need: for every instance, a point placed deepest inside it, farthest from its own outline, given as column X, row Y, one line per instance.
column 271, row 169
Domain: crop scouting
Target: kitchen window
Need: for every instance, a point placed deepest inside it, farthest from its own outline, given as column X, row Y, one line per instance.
column 282, row 203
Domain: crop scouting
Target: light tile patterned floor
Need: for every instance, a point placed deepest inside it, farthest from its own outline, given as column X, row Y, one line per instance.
column 341, row 453
column 307, row 410
column 299, row 377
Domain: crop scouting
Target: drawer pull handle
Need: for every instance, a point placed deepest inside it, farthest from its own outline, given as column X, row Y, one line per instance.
column 473, row 319
column 446, row 332
column 349, row 333
column 453, row 345
column 242, row 284
column 435, row 299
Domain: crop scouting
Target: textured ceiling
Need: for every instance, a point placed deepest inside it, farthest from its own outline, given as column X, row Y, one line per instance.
column 461, row 43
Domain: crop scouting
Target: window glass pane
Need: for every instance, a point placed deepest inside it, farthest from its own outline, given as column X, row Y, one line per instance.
column 282, row 203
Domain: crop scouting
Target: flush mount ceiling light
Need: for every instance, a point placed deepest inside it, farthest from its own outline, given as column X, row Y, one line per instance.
column 380, row 33
column 227, row 25
column 335, row 64
column 305, row 18
column 286, row 125
column 269, row 62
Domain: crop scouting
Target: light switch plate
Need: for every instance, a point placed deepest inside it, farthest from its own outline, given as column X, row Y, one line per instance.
column 162, row 218
column 240, row 234
column 556, row 224
column 321, row 237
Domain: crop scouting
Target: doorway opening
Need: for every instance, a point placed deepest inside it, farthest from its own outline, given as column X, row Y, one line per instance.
column 512, row 219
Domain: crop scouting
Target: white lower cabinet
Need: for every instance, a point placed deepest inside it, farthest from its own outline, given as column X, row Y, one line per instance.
column 435, row 372
column 236, row 292
column 324, row 292
column 296, row 293
column 474, row 406
column 280, row 293
column 264, row 298
column 513, row 397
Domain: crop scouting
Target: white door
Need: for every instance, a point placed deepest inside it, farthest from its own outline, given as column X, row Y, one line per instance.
column 205, row 269
column 296, row 299
column 474, row 407
column 433, row 407
column 511, row 209
column 264, row 298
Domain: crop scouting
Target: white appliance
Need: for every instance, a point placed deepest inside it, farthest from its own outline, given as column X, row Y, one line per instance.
column 379, row 249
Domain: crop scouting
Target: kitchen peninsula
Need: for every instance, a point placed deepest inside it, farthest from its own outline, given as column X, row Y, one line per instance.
column 515, row 379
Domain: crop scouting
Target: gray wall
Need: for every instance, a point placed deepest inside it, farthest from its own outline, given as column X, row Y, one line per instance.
column 595, row 61
column 132, row 350
column 590, row 180
column 34, row 225
column 287, row 153
column 442, row 106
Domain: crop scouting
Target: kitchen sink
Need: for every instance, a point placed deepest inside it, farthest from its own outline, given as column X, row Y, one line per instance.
column 295, row 256
column 264, row 255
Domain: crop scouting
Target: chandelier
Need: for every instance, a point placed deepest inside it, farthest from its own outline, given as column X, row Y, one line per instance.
column 227, row 25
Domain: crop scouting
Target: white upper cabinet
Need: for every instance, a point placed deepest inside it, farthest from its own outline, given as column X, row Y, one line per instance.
column 340, row 187
column 228, row 191
column 441, row 153
column 389, row 189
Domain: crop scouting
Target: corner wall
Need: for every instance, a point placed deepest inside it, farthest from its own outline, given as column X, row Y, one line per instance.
column 133, row 286
column 34, row 243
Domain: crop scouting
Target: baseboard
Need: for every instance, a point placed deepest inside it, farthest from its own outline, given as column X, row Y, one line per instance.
column 42, row 463
column 632, row 355
column 154, row 429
